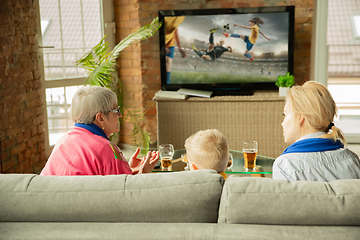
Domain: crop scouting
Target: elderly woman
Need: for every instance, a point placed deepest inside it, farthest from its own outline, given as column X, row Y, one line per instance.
column 87, row 150
column 317, row 151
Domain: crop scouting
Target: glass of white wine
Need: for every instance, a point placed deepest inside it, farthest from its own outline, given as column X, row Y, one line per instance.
column 185, row 160
column 230, row 162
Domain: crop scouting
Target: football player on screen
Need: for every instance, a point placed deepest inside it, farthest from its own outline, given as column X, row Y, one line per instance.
column 250, row 41
column 214, row 51
column 172, row 39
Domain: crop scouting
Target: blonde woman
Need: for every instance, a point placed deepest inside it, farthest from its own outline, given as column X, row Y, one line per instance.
column 208, row 149
column 317, row 151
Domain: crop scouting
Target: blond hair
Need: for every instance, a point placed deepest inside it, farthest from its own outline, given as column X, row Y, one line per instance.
column 314, row 101
column 90, row 100
column 208, row 149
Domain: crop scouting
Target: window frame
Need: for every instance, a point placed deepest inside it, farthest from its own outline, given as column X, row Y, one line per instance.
column 107, row 28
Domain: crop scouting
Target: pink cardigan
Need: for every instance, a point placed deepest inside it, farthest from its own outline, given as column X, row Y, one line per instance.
column 80, row 152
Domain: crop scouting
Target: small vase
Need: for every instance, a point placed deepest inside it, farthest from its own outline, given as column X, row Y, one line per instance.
column 283, row 91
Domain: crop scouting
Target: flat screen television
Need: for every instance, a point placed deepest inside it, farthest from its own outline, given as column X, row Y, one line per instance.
column 226, row 70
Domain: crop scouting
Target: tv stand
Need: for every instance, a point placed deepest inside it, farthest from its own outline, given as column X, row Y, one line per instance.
column 240, row 118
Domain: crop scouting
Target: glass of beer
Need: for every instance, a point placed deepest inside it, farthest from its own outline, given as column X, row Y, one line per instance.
column 166, row 152
column 250, row 150
column 230, row 162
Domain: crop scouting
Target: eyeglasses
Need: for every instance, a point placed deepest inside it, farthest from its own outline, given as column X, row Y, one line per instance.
column 116, row 111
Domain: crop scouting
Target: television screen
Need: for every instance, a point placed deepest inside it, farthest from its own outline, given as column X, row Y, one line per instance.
column 226, row 49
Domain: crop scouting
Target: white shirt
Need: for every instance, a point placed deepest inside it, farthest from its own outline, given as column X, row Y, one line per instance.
column 323, row 166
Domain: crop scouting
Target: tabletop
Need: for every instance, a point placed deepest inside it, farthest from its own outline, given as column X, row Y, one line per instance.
column 263, row 164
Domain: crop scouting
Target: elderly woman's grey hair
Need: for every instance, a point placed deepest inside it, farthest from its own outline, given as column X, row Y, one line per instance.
column 90, row 100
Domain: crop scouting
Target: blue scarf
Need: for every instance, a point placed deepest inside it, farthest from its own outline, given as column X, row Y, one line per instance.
column 92, row 128
column 313, row 145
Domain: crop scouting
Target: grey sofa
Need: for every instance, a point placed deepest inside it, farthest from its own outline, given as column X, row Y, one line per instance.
column 180, row 205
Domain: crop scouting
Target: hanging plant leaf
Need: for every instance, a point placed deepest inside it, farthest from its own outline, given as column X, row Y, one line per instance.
column 100, row 64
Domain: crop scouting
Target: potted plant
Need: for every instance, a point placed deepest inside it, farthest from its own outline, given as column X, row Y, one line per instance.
column 284, row 83
column 100, row 63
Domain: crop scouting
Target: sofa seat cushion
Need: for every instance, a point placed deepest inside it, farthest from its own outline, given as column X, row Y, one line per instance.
column 189, row 196
column 268, row 201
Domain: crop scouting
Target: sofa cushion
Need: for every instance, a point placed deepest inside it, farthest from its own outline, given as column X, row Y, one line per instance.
column 268, row 201
column 191, row 196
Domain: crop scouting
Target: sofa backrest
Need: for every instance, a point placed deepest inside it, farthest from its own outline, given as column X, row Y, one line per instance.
column 189, row 196
column 268, row 201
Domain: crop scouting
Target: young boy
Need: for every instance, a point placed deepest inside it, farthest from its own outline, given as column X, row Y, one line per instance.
column 208, row 149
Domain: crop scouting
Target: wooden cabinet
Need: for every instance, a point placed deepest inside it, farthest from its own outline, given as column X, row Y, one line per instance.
column 239, row 118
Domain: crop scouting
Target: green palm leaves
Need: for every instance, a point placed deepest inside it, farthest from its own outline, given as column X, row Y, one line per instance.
column 100, row 64
column 141, row 34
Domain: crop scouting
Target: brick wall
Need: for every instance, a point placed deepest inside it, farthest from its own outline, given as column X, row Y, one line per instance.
column 22, row 110
column 140, row 65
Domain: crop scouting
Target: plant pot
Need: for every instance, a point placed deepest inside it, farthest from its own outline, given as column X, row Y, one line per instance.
column 283, row 91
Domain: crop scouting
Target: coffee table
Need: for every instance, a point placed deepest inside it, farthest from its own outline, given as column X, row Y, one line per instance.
column 263, row 164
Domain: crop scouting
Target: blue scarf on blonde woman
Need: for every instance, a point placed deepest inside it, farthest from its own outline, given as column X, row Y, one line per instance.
column 313, row 145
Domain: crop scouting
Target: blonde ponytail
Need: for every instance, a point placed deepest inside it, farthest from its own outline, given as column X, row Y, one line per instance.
column 335, row 134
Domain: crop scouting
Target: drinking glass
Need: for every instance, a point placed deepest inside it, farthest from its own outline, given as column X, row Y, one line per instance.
column 166, row 152
column 230, row 162
column 185, row 160
column 250, row 150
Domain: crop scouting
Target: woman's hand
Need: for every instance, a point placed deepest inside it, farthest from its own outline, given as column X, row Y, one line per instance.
column 145, row 164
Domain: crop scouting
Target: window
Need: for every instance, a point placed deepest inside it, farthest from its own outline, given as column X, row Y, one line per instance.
column 355, row 20
column 343, row 41
column 58, row 102
column 44, row 26
column 69, row 28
